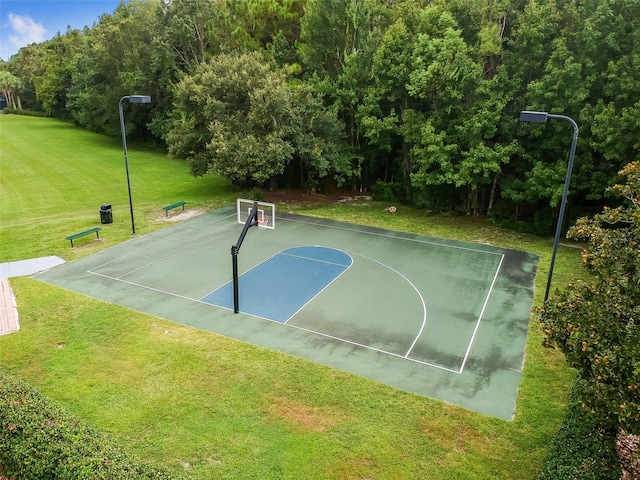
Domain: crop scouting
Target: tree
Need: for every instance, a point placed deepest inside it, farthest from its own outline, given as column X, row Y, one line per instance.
column 257, row 22
column 53, row 82
column 337, row 42
column 9, row 87
column 26, row 65
column 118, row 60
column 189, row 29
column 445, row 77
column 596, row 324
column 578, row 59
column 238, row 115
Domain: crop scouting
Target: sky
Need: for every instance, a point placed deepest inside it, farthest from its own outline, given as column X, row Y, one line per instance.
column 23, row 22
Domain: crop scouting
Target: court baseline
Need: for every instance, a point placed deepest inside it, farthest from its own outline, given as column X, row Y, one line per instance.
column 406, row 356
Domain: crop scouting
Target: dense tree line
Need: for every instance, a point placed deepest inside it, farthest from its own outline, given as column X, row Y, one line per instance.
column 414, row 99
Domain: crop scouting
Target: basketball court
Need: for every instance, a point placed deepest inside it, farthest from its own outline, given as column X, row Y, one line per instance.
column 436, row 317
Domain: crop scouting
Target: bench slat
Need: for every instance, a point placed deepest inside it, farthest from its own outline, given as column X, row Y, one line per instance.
column 95, row 230
column 82, row 234
column 172, row 206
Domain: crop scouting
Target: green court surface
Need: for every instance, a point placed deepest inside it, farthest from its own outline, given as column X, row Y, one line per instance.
column 440, row 318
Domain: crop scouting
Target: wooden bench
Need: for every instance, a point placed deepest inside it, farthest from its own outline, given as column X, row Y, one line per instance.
column 95, row 230
column 172, row 206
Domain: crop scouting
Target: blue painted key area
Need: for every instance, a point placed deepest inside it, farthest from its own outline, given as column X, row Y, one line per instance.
column 279, row 287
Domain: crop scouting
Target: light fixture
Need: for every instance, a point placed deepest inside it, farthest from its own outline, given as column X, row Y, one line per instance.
column 132, row 99
column 541, row 117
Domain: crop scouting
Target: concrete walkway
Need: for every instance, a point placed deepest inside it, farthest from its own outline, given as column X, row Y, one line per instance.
column 28, row 267
column 8, row 308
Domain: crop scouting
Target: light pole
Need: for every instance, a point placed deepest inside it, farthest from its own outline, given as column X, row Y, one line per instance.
column 132, row 99
column 541, row 117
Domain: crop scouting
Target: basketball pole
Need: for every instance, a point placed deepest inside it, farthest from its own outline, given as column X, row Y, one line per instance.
column 252, row 220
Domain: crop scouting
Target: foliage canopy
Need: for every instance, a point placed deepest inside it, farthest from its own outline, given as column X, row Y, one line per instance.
column 597, row 324
column 420, row 97
column 239, row 116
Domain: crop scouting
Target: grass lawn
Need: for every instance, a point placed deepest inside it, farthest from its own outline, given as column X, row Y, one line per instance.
column 55, row 177
column 212, row 407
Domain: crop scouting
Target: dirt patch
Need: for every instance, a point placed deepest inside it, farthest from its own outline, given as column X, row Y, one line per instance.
column 298, row 197
column 303, row 416
column 305, row 197
column 181, row 216
column 628, row 448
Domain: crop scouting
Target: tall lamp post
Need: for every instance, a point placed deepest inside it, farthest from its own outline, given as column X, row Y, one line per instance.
column 541, row 117
column 132, row 99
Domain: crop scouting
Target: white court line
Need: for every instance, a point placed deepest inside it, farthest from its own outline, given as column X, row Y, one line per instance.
column 340, row 339
column 368, row 347
column 478, row 321
column 346, row 267
column 424, row 309
column 424, row 305
column 284, row 253
column 227, row 283
column 161, row 242
column 405, row 356
column 168, row 258
column 153, row 289
column 486, row 301
column 423, row 324
column 355, row 230
column 333, row 337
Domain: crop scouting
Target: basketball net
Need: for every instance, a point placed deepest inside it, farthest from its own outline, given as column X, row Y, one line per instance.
column 263, row 223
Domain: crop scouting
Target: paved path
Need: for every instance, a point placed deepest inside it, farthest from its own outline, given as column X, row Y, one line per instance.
column 8, row 311
column 8, row 308
column 28, row 267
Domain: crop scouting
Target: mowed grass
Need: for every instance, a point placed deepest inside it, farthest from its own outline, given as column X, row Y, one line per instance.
column 212, row 407
column 54, row 178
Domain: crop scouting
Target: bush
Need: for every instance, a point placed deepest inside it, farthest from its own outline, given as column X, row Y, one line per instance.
column 29, row 113
column 386, row 191
column 596, row 324
column 581, row 450
column 256, row 194
column 40, row 440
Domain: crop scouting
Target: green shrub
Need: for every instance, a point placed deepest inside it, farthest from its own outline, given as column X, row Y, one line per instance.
column 386, row 191
column 256, row 194
column 582, row 449
column 29, row 113
column 40, row 440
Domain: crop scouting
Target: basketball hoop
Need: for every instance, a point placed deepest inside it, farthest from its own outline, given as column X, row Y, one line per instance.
column 263, row 223
column 263, row 216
